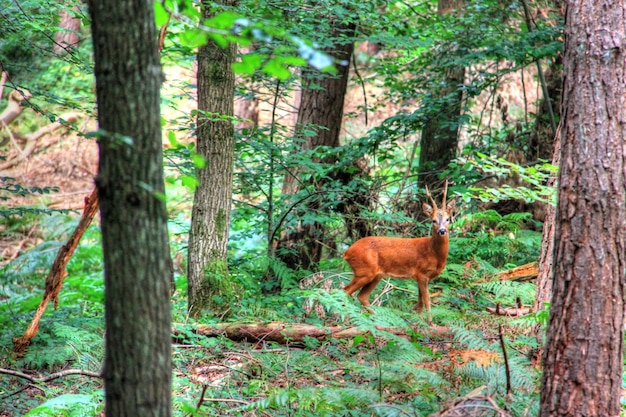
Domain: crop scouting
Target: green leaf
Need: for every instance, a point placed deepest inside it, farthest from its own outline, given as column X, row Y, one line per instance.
column 224, row 20
column 171, row 136
column 249, row 63
column 274, row 68
column 161, row 15
column 189, row 182
column 198, row 160
column 219, row 39
column 193, row 37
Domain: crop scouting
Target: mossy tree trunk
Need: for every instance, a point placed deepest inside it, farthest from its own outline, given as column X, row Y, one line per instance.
column 583, row 360
column 137, row 366
column 209, row 283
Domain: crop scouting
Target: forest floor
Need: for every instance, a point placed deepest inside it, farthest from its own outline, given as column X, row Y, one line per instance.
column 421, row 372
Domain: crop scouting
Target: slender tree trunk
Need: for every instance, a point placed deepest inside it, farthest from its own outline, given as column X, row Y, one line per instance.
column 209, row 283
column 583, row 358
column 546, row 257
column 541, row 140
column 67, row 36
column 440, row 134
column 247, row 108
column 137, row 367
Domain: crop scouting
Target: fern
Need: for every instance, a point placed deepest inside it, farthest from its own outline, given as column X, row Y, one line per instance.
column 323, row 401
column 507, row 292
column 62, row 344
column 286, row 276
column 473, row 339
column 70, row 405
column 493, row 375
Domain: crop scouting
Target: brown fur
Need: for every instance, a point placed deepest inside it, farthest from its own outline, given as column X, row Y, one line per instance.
column 422, row 259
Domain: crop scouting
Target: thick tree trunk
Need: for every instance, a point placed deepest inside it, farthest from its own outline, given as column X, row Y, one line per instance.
column 321, row 111
column 440, row 134
column 137, row 367
column 210, row 218
column 583, row 358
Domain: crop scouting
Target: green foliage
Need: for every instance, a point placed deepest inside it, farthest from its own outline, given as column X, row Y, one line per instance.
column 501, row 240
column 59, row 343
column 374, row 171
column 492, row 372
column 227, row 26
column 535, row 176
column 69, row 405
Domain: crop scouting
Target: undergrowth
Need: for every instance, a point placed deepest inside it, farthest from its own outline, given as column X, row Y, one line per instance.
column 377, row 372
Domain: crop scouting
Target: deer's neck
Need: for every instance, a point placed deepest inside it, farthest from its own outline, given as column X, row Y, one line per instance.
column 440, row 245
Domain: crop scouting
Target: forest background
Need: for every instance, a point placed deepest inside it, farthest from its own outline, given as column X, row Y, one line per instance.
column 468, row 92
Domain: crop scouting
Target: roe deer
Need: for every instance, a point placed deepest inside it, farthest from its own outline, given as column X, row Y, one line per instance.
column 423, row 258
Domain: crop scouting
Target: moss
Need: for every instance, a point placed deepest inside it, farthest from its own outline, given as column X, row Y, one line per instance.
column 220, row 291
column 220, row 222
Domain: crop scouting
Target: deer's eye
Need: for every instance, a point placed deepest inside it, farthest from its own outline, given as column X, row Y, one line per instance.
column 448, row 219
column 434, row 221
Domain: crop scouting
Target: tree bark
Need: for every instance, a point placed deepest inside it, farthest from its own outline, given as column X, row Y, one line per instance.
column 137, row 367
column 321, row 112
column 585, row 336
column 209, row 284
column 67, row 35
column 546, row 256
column 440, row 134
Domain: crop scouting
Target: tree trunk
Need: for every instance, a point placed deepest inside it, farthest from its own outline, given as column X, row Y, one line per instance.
column 320, row 111
column 137, row 367
column 440, row 134
column 546, row 257
column 247, row 107
column 67, row 35
column 541, row 143
column 583, row 358
column 541, row 140
column 209, row 283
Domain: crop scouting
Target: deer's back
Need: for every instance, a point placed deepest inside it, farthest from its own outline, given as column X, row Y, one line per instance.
column 392, row 256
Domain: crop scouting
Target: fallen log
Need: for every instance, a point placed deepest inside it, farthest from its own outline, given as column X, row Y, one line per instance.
column 521, row 273
column 296, row 333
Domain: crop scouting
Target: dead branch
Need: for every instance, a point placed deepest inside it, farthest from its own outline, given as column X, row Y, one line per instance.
column 3, row 80
column 31, row 140
column 58, row 272
column 50, row 377
column 507, row 369
column 14, row 108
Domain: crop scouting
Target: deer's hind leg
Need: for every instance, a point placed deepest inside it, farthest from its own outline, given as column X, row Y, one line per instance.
column 358, row 282
column 364, row 294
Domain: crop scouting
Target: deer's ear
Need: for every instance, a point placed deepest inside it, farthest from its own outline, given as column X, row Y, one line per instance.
column 428, row 210
column 451, row 206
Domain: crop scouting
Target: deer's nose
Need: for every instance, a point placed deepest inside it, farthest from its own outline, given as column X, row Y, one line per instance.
column 442, row 231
